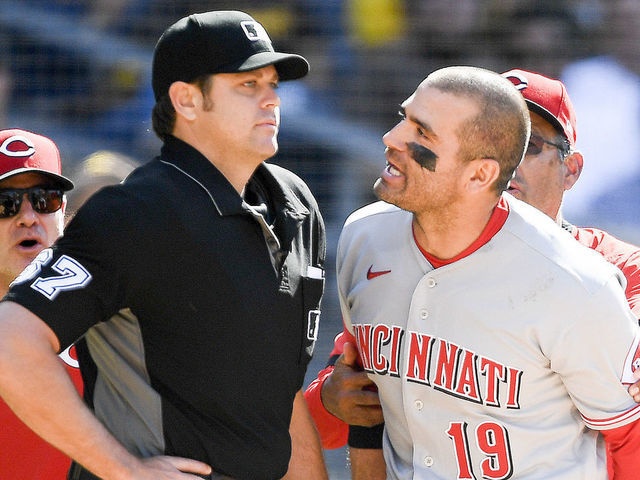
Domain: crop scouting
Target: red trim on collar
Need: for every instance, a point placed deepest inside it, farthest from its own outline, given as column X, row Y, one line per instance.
column 497, row 220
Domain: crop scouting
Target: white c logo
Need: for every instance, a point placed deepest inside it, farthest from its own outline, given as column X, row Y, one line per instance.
column 68, row 359
column 4, row 148
column 519, row 81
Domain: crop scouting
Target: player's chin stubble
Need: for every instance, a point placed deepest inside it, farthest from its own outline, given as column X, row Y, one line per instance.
column 382, row 191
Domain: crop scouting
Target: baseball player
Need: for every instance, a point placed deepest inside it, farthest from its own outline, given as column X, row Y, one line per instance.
column 540, row 180
column 32, row 204
column 194, row 281
column 499, row 338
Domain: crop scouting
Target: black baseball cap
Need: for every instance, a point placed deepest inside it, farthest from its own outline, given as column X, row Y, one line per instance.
column 218, row 42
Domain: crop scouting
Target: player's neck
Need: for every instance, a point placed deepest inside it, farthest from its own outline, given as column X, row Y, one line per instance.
column 447, row 234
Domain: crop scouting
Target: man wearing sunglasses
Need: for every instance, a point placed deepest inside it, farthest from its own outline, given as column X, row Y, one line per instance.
column 32, row 201
column 195, row 284
column 552, row 165
column 344, row 393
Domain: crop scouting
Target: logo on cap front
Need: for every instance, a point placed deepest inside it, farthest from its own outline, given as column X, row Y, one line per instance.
column 15, row 147
column 519, row 81
column 254, row 31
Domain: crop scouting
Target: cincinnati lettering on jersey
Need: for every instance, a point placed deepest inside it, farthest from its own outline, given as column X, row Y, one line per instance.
column 437, row 363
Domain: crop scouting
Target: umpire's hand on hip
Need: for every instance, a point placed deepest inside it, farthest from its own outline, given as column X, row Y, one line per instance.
column 169, row 468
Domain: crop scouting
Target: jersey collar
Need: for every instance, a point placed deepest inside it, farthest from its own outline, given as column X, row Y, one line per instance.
column 497, row 220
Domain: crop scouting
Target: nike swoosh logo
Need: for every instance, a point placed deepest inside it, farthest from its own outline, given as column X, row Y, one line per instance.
column 371, row 275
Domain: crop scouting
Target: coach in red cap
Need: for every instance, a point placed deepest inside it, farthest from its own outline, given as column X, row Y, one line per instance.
column 552, row 165
column 32, row 200
column 196, row 284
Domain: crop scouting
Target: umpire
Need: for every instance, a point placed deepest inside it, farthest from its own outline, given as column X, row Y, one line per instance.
column 195, row 285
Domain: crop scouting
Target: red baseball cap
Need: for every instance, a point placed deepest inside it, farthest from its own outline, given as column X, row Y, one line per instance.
column 548, row 98
column 24, row 152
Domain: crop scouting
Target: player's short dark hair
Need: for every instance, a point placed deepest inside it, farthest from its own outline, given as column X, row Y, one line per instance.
column 163, row 115
column 500, row 130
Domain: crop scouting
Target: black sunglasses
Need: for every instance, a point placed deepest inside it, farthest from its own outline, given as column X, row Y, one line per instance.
column 536, row 144
column 42, row 199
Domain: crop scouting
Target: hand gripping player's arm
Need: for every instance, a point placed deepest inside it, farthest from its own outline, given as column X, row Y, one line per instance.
column 342, row 395
column 349, row 394
column 35, row 384
column 347, row 391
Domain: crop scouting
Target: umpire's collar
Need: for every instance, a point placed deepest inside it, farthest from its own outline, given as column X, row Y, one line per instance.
column 226, row 199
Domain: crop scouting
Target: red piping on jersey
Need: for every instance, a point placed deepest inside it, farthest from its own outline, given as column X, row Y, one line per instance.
column 609, row 422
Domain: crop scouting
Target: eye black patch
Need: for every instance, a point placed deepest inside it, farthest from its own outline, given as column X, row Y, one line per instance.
column 423, row 156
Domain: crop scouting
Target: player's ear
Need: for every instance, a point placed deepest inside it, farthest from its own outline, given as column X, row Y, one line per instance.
column 482, row 174
column 573, row 168
column 183, row 98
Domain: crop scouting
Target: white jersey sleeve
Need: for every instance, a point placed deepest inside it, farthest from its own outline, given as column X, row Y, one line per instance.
column 581, row 354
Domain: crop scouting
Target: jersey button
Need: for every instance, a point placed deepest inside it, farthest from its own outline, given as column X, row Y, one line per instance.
column 431, row 282
column 428, row 461
column 419, row 404
column 424, row 314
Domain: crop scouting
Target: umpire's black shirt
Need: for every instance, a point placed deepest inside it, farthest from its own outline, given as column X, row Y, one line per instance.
column 199, row 319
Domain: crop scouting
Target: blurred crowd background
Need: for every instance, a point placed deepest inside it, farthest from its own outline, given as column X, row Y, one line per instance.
column 79, row 72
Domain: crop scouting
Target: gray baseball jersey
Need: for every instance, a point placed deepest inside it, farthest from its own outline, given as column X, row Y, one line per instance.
column 494, row 365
